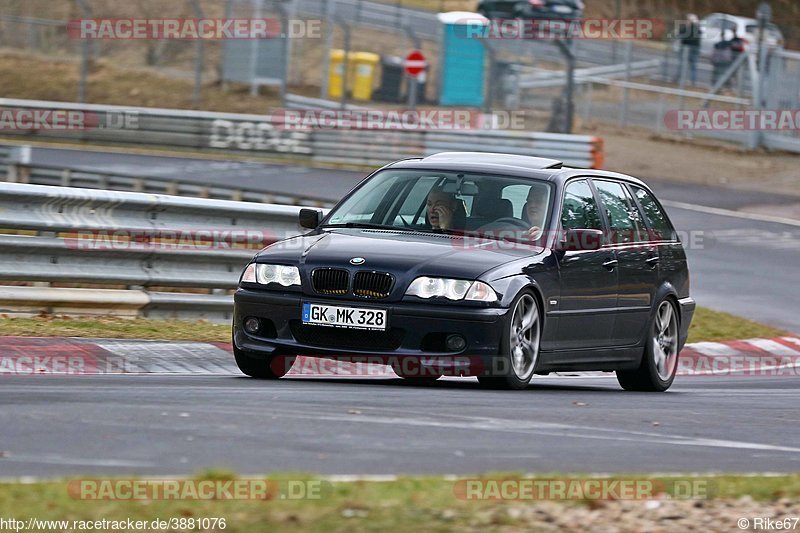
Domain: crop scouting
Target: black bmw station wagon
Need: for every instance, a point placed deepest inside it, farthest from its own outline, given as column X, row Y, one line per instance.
column 491, row 265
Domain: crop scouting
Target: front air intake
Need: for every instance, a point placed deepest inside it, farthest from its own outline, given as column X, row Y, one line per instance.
column 374, row 285
column 330, row 280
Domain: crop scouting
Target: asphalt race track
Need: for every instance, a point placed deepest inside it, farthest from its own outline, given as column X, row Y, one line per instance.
column 163, row 425
column 181, row 424
column 740, row 265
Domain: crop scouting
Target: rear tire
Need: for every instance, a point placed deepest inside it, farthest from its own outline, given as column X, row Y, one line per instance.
column 660, row 360
column 519, row 349
column 272, row 367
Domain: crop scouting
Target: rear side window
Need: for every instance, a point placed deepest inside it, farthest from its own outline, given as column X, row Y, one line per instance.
column 655, row 215
column 580, row 208
column 623, row 216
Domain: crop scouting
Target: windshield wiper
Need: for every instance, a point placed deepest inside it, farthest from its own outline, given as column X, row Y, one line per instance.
column 367, row 225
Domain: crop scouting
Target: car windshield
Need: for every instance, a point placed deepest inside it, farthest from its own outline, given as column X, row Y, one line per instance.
column 451, row 202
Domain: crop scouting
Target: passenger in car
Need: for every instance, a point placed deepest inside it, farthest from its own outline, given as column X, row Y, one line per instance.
column 535, row 210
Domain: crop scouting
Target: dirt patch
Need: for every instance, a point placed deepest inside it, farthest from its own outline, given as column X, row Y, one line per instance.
column 643, row 153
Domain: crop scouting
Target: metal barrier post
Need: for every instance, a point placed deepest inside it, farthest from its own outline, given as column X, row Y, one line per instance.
column 626, row 91
column 346, row 64
column 86, row 11
column 199, row 59
column 328, row 10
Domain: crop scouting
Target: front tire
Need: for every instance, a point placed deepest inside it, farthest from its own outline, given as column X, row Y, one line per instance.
column 519, row 350
column 660, row 360
column 271, row 367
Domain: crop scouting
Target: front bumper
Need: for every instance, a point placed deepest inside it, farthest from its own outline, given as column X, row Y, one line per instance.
column 413, row 328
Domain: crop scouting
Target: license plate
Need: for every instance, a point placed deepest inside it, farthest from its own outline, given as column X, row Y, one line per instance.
column 344, row 317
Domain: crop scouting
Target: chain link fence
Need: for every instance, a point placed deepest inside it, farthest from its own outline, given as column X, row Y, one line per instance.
column 630, row 83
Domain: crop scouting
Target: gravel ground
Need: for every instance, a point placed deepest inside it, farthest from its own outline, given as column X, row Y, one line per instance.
column 635, row 516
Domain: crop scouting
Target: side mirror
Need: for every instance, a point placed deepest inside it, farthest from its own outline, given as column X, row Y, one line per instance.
column 577, row 240
column 310, row 218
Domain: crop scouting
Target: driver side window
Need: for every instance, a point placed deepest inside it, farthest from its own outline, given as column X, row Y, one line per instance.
column 580, row 207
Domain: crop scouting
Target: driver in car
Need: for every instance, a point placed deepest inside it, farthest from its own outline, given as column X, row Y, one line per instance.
column 441, row 207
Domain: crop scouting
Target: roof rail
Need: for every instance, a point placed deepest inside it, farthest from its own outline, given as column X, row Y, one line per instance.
column 534, row 163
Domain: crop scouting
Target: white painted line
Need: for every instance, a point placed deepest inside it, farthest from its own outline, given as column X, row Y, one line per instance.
column 762, row 372
column 378, row 478
column 543, row 428
column 731, row 213
column 793, row 340
column 73, row 461
column 712, row 348
column 772, row 347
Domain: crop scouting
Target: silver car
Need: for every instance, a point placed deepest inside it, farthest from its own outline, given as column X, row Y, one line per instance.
column 715, row 25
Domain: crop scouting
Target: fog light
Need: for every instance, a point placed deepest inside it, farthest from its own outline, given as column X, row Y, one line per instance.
column 252, row 325
column 456, row 343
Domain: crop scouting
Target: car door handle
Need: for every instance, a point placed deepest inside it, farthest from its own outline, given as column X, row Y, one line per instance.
column 652, row 261
column 611, row 264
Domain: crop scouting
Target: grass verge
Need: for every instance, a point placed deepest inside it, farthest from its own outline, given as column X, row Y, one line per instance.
column 710, row 325
column 707, row 325
column 405, row 504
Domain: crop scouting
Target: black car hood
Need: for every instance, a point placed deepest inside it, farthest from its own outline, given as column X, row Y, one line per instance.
column 405, row 254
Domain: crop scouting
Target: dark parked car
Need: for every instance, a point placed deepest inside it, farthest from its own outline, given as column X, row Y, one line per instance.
column 516, row 263
column 531, row 9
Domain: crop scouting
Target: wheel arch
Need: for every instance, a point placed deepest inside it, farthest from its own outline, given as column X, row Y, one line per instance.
column 523, row 283
column 666, row 291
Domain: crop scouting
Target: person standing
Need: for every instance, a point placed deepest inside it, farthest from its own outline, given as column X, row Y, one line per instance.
column 690, row 45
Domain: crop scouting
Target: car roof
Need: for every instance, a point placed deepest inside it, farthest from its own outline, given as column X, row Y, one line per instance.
column 737, row 18
column 506, row 164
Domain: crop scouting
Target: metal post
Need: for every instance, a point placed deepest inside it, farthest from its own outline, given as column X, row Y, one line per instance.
column 617, row 16
column 286, row 51
column 587, row 102
column 490, row 89
column 254, row 52
column 413, row 88
column 763, row 15
column 413, row 81
column 199, row 60
column 346, row 63
column 626, row 91
column 86, row 11
column 682, row 76
column 566, row 51
column 329, row 11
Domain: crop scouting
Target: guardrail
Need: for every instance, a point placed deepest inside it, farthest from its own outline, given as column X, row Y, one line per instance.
column 16, row 171
column 128, row 247
column 266, row 135
column 545, row 78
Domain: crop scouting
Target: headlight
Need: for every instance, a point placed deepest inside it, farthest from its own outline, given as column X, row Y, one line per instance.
column 452, row 289
column 286, row 276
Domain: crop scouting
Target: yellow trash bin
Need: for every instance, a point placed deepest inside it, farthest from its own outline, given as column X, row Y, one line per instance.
column 361, row 68
column 336, row 75
column 363, row 79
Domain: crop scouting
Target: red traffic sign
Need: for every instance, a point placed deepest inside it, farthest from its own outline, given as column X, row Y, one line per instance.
column 415, row 63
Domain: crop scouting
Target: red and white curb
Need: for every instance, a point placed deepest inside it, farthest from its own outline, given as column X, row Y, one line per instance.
column 56, row 355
